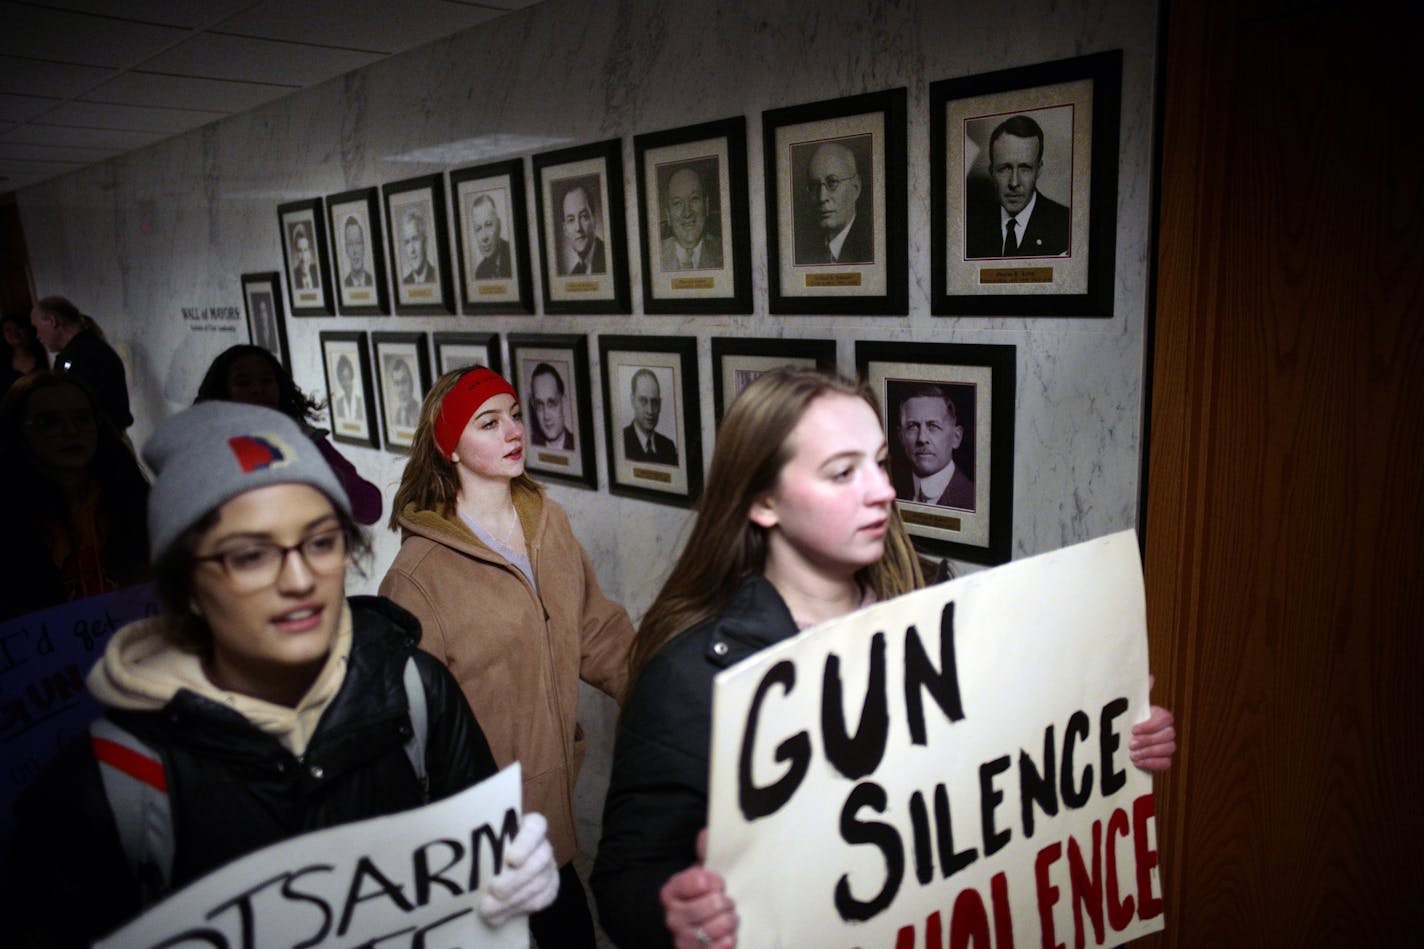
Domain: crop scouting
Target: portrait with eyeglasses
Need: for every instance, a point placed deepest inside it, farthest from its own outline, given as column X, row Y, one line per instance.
column 834, row 220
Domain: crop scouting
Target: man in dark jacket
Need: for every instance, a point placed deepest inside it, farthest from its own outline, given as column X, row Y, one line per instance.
column 84, row 355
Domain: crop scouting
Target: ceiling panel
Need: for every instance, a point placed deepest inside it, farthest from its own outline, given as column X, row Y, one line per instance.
column 179, row 92
column 24, row 75
column 97, row 116
column 35, row 133
column 255, row 60
column 24, row 108
column 11, row 151
column 189, row 14
column 65, row 37
column 372, row 25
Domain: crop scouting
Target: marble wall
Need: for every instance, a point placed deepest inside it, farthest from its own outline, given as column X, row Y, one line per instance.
column 137, row 239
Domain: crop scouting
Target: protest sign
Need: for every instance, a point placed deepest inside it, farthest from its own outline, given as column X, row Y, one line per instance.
column 44, row 657
column 409, row 879
column 946, row 768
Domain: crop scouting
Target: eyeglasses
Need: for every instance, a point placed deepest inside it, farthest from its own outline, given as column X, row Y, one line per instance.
column 258, row 565
column 831, row 183
column 50, row 422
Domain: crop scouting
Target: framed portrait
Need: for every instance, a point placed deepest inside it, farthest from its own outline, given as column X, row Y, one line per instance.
column 583, row 243
column 303, row 232
column 550, row 374
column 266, row 327
column 359, row 249
column 651, row 417
column 420, row 250
column 692, row 213
column 491, row 238
column 459, row 350
column 835, row 200
column 949, row 419
column 403, row 376
column 1023, row 189
column 736, row 361
column 349, row 396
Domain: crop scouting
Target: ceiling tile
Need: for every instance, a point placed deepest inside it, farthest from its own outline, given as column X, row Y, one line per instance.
column 179, row 92
column 95, row 115
column 190, row 14
column 34, row 133
column 24, row 108
column 371, row 25
column 51, row 153
column 78, row 38
column 254, row 60
column 22, row 75
column 22, row 174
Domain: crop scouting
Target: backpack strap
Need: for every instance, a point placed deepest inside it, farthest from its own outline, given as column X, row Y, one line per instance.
column 137, row 789
column 419, row 725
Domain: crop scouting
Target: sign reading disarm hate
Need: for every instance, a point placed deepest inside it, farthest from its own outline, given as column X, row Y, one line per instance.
column 946, row 768
column 408, row 879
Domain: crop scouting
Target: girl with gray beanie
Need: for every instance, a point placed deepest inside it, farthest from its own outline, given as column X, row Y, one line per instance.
column 271, row 704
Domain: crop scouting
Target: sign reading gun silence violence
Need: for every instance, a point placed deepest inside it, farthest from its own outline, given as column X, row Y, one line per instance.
column 947, row 766
column 408, row 879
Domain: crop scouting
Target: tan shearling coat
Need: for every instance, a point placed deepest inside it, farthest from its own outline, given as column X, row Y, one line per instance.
column 518, row 656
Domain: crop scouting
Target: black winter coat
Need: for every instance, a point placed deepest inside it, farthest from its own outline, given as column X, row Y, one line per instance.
column 657, row 800
column 234, row 789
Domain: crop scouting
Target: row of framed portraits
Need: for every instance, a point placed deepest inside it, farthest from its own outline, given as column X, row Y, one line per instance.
column 948, row 410
column 1023, row 193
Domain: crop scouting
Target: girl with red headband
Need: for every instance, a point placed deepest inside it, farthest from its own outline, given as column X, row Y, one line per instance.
column 508, row 599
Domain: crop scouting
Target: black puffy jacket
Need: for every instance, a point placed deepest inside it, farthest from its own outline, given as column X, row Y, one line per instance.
column 657, row 799
column 234, row 789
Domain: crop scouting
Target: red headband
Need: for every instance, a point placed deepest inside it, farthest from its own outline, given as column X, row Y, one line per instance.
column 474, row 389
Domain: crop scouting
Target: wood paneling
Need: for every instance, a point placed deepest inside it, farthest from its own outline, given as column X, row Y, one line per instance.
column 1283, row 548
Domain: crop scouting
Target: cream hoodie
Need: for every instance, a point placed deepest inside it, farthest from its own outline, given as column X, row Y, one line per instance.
column 142, row 669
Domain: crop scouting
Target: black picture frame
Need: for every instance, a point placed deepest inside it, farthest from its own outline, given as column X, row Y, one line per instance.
column 500, row 282
column 736, row 360
column 266, row 321
column 972, row 522
column 965, row 275
column 301, row 227
column 398, row 356
column 358, row 251
column 353, row 413
column 459, row 350
column 415, row 208
column 538, row 364
column 674, row 478
column 710, row 162
column 597, row 171
column 870, row 277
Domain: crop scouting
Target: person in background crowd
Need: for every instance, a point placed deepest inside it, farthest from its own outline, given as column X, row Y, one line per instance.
column 21, row 352
column 81, row 351
column 272, row 705
column 509, row 600
column 251, row 374
column 797, row 526
column 75, row 525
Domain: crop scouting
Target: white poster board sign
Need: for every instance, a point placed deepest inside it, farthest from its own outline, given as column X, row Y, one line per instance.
column 409, row 879
column 946, row 768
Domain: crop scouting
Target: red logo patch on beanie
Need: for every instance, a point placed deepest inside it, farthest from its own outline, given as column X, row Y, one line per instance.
column 253, row 452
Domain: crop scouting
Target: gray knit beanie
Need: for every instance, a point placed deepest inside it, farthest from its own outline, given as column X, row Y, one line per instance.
column 214, row 451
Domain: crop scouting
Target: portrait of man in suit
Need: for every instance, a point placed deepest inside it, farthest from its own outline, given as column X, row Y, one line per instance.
column 487, row 237
column 402, row 405
column 583, row 250
column 547, row 404
column 304, row 272
column 928, row 430
column 686, row 200
column 353, row 242
column 264, row 327
column 641, row 439
column 1014, row 218
column 832, row 226
column 414, row 241
column 348, row 405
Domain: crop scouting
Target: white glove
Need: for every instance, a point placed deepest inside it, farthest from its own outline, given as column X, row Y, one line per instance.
column 529, row 880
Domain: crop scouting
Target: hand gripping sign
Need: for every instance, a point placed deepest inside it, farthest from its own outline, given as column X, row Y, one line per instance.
column 948, row 767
